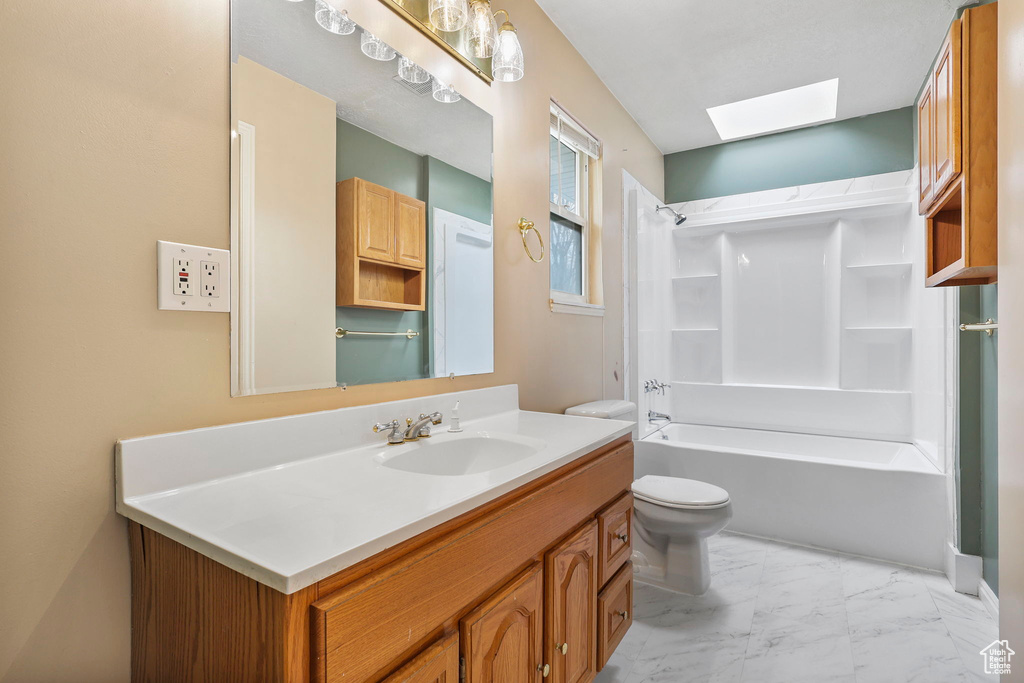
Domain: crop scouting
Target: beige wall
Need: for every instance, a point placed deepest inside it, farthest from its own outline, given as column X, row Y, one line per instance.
column 1011, row 330
column 293, row 344
column 115, row 134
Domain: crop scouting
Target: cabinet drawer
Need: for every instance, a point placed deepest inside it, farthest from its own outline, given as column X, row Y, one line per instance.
column 439, row 663
column 615, row 529
column 614, row 613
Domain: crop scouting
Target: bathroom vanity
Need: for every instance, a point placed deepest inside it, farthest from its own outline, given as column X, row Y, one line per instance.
column 260, row 552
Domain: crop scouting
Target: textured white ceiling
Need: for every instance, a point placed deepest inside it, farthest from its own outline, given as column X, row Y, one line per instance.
column 284, row 37
column 667, row 61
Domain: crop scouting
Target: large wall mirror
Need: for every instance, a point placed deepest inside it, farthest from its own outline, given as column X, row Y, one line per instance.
column 361, row 237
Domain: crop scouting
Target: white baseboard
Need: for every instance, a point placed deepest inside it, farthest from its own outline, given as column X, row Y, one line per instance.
column 963, row 571
column 989, row 599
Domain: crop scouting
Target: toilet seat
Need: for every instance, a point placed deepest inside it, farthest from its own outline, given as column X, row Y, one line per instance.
column 675, row 492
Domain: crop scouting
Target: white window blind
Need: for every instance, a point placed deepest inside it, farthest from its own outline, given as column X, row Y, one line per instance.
column 572, row 134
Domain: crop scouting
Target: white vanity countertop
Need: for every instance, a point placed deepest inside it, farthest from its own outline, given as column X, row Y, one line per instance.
column 259, row 498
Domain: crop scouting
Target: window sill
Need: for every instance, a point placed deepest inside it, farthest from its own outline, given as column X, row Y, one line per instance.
column 576, row 309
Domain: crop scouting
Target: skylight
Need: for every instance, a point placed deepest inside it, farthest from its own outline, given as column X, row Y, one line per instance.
column 778, row 111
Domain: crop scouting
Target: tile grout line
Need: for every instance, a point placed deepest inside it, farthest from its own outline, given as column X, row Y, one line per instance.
column 757, row 594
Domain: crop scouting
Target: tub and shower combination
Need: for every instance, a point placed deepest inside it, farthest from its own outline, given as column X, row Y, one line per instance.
column 805, row 364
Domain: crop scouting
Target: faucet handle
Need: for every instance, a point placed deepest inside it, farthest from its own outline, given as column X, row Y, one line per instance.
column 436, row 418
column 394, row 429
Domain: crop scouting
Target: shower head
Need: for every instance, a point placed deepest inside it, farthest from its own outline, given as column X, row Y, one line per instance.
column 679, row 218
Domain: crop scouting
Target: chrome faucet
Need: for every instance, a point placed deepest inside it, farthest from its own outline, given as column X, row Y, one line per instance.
column 395, row 436
column 421, row 427
column 654, row 415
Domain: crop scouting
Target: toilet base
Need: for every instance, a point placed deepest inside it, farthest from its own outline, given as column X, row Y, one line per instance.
column 686, row 570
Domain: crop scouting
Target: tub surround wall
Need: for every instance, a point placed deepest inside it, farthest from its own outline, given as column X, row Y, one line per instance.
column 118, row 138
column 796, row 309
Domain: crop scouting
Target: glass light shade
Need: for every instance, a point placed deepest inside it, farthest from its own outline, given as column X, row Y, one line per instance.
column 375, row 48
column 445, row 93
column 507, row 62
column 483, row 29
column 334, row 20
column 448, row 15
column 412, row 72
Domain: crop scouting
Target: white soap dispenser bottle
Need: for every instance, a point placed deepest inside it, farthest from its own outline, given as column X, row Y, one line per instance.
column 455, row 427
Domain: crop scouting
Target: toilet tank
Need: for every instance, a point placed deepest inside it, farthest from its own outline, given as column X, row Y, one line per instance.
column 606, row 410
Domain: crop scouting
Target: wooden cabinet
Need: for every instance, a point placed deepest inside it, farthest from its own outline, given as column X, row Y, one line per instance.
column 957, row 154
column 503, row 637
column 439, row 663
column 501, row 585
column 381, row 247
column 614, row 532
column 614, row 613
column 571, row 607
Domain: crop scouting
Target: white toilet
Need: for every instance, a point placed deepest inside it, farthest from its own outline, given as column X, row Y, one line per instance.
column 673, row 518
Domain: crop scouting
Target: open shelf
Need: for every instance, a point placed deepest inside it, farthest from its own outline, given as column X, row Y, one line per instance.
column 953, row 258
column 382, row 285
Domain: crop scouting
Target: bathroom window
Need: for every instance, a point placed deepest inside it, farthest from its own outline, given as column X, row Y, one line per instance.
column 573, row 151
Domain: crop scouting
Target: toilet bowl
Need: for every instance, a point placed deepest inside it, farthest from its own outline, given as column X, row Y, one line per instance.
column 673, row 519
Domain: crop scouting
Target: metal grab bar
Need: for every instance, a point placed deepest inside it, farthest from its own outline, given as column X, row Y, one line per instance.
column 988, row 327
column 341, row 333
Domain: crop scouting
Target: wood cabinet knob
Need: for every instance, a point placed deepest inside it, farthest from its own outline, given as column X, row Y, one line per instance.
column 563, row 648
column 544, row 670
column 622, row 537
column 624, row 614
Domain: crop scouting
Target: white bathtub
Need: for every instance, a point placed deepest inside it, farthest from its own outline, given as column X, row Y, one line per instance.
column 879, row 499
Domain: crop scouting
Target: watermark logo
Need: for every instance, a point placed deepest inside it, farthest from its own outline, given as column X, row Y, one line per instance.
column 997, row 657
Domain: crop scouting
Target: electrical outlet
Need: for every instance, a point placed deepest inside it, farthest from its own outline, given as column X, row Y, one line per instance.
column 189, row 278
column 182, row 276
column 209, row 279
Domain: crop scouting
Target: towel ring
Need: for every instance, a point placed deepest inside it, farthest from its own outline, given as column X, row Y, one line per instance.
column 525, row 227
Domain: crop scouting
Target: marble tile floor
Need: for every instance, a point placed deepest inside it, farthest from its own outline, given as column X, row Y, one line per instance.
column 778, row 613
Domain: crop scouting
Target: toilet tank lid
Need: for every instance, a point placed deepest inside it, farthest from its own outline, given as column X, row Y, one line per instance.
column 604, row 409
column 678, row 491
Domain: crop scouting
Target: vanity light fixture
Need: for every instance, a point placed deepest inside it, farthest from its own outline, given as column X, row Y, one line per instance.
column 448, row 15
column 375, row 48
column 483, row 29
column 507, row 62
column 411, row 72
column 445, row 93
column 333, row 19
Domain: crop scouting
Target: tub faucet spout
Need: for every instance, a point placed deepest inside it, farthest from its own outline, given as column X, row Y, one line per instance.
column 654, row 416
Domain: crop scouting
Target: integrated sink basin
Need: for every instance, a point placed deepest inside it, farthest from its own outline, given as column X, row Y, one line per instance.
column 453, row 455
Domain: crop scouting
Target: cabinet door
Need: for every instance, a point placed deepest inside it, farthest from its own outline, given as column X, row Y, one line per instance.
column 925, row 159
column 411, row 229
column 947, row 121
column 570, row 609
column 439, row 663
column 376, row 221
column 502, row 638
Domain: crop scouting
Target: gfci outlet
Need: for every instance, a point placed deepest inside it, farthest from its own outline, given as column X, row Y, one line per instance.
column 191, row 278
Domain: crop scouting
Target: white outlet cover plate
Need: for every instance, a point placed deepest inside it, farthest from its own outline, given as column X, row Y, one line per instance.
column 166, row 255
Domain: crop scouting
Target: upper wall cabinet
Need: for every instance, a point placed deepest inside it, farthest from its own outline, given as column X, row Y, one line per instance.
column 957, row 127
column 382, row 241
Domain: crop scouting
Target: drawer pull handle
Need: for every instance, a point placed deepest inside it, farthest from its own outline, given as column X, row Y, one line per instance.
column 624, row 614
column 622, row 537
column 563, row 648
column 544, row 670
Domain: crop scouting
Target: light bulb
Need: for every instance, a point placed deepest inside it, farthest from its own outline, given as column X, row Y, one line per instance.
column 507, row 62
column 412, row 72
column 445, row 93
column 483, row 29
column 448, row 15
column 375, row 48
column 334, row 20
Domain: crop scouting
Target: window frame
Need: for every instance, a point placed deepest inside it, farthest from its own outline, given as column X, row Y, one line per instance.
column 581, row 219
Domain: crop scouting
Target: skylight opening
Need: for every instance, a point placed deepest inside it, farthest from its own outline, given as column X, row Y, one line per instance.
column 783, row 110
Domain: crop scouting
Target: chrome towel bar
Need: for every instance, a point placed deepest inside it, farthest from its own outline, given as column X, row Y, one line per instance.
column 341, row 333
column 989, row 326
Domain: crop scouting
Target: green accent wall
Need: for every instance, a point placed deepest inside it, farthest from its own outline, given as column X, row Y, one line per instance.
column 977, row 465
column 879, row 143
column 371, row 360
